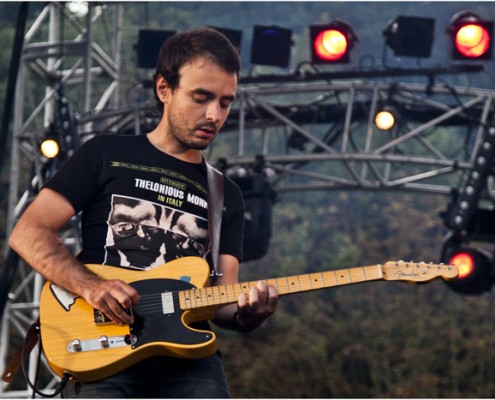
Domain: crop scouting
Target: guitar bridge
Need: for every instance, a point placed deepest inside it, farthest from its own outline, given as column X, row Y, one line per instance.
column 100, row 319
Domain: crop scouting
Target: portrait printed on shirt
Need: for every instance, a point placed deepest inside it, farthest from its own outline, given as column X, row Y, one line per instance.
column 143, row 235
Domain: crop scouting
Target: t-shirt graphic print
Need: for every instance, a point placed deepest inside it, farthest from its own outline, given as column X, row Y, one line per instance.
column 143, row 235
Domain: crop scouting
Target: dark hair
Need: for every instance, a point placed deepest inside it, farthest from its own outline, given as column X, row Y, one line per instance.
column 184, row 47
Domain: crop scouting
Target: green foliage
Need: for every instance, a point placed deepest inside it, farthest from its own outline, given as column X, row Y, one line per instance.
column 376, row 339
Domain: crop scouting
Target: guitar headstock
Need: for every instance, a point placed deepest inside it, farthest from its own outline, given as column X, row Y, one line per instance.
column 417, row 272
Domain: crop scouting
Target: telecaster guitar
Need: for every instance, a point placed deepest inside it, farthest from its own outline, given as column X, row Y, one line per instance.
column 79, row 340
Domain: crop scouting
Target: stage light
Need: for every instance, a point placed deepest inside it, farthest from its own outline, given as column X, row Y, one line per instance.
column 465, row 262
column 471, row 37
column 475, row 269
column 410, row 36
column 149, row 45
column 234, row 36
column 271, row 45
column 386, row 118
column 50, row 148
column 332, row 43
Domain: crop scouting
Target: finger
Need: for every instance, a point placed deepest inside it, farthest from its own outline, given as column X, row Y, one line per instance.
column 253, row 297
column 273, row 298
column 109, row 312
column 242, row 301
column 262, row 291
column 127, row 296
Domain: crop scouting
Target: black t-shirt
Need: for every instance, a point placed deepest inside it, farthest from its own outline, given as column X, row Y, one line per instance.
column 141, row 207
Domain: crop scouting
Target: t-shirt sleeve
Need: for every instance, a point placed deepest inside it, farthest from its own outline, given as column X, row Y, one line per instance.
column 77, row 178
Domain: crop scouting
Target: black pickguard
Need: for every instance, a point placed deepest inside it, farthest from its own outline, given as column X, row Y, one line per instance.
column 151, row 325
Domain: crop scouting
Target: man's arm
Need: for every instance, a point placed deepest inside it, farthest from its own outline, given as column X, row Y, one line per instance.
column 35, row 239
column 252, row 309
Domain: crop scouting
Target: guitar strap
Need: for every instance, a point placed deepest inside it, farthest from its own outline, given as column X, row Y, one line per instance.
column 22, row 352
column 215, row 208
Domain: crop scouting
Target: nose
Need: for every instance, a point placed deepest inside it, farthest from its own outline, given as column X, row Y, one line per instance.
column 214, row 113
column 140, row 231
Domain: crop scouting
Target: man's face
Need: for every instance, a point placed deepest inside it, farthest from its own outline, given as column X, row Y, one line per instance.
column 197, row 109
column 136, row 233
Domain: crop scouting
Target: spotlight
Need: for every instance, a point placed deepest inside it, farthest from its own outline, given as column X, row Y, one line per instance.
column 332, row 43
column 149, row 45
column 410, row 36
column 50, row 148
column 475, row 269
column 386, row 118
column 271, row 45
column 471, row 37
column 233, row 35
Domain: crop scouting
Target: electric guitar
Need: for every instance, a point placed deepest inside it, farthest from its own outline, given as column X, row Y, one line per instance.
column 80, row 340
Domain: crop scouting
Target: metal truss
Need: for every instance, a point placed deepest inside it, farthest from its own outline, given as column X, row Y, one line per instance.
column 307, row 133
column 329, row 139
column 67, row 62
column 322, row 135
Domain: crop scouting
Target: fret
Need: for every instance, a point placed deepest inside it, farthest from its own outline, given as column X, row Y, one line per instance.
column 323, row 280
column 234, row 297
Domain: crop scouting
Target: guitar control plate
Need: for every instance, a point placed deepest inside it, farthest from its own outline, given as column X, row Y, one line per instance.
column 101, row 343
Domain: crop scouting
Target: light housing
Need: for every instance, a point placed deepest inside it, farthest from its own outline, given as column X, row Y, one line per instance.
column 234, row 36
column 386, row 118
column 50, row 148
column 475, row 266
column 332, row 43
column 148, row 46
column 410, row 36
column 271, row 45
column 471, row 37
column 474, row 270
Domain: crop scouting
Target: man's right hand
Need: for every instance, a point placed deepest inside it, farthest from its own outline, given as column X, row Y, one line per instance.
column 113, row 298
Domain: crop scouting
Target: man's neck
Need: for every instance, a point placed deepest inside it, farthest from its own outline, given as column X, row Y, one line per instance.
column 160, row 142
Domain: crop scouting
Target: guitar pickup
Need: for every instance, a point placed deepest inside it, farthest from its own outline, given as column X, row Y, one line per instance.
column 100, row 319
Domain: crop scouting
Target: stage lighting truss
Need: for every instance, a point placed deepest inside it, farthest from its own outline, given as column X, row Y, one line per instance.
column 466, row 202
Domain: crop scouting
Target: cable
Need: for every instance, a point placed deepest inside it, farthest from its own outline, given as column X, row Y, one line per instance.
column 61, row 384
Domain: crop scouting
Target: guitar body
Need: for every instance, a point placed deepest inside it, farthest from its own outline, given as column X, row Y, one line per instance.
column 78, row 340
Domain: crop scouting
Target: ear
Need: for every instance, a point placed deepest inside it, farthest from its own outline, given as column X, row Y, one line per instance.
column 162, row 88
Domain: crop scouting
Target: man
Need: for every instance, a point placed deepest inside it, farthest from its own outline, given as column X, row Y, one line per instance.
column 195, row 86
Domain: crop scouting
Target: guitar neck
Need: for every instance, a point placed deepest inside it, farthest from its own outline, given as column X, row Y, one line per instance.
column 216, row 296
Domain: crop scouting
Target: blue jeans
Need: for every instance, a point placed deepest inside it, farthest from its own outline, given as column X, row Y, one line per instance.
column 159, row 377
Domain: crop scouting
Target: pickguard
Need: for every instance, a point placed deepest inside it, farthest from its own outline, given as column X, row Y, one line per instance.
column 150, row 322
